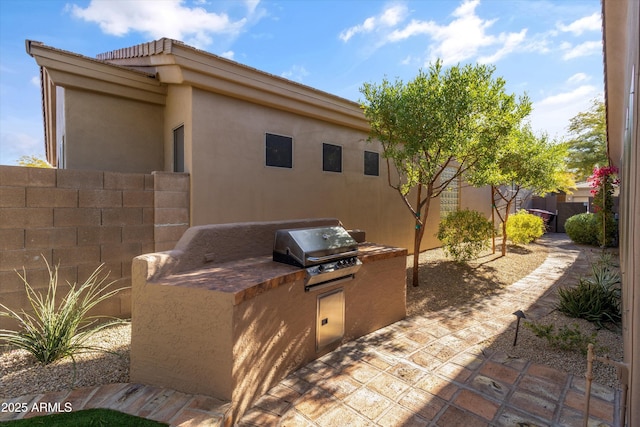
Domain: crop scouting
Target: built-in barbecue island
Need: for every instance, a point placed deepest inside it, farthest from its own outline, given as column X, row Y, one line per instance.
column 218, row 315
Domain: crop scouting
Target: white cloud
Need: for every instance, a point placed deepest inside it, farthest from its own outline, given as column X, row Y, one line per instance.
column 296, row 72
column 168, row 18
column 588, row 23
column 228, row 54
column 20, row 137
column 509, row 42
column 410, row 60
column 389, row 17
column 252, row 5
column 35, row 80
column 567, row 97
column 466, row 36
column 583, row 49
column 553, row 113
column 578, row 78
column 414, row 28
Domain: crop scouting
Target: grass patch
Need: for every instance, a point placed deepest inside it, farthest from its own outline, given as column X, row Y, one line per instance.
column 86, row 418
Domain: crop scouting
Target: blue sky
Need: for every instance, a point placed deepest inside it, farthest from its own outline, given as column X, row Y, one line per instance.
column 551, row 50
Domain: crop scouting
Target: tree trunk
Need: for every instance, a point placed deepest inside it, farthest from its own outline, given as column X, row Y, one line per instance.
column 421, row 222
column 504, row 228
column 416, row 253
column 493, row 219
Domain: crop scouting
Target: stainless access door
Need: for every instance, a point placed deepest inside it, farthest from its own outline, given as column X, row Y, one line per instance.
column 330, row 320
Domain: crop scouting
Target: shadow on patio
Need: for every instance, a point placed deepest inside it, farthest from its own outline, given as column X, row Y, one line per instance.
column 440, row 369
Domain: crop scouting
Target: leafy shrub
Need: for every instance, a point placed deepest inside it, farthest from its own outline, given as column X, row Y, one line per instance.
column 596, row 299
column 582, row 229
column 464, row 234
column 53, row 332
column 567, row 338
column 523, row 227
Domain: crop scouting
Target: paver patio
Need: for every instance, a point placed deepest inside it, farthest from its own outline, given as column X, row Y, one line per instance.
column 426, row 370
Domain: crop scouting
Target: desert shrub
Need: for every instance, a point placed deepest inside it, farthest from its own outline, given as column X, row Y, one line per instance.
column 523, row 227
column 596, row 298
column 464, row 234
column 53, row 331
column 567, row 338
column 582, row 229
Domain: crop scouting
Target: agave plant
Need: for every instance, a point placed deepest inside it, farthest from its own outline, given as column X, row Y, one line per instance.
column 51, row 331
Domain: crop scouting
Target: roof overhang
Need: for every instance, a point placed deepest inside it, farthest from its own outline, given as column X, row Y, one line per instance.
column 70, row 70
column 174, row 62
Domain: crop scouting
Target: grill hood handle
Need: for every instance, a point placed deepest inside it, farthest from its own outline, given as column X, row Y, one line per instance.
column 331, row 257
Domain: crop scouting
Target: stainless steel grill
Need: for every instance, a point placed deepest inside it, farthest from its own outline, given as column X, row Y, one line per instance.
column 329, row 254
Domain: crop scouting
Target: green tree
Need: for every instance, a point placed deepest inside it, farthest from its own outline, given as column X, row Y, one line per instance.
column 588, row 147
column 452, row 117
column 524, row 163
column 33, row 162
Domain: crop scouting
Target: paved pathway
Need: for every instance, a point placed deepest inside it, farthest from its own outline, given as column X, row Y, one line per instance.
column 430, row 371
column 423, row 371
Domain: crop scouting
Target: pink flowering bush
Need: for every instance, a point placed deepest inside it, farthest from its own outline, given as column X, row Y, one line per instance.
column 602, row 184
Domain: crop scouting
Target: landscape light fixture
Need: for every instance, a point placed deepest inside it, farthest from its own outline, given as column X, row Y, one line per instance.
column 519, row 315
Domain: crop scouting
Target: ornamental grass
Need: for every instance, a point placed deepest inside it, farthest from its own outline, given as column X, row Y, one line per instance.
column 54, row 331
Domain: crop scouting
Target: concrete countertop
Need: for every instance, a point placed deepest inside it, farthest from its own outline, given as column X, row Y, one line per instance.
column 250, row 277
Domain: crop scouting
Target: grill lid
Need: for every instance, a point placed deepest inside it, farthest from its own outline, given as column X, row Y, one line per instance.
column 310, row 246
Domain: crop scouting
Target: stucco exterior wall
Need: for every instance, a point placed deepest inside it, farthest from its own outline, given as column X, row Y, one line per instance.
column 111, row 133
column 622, row 80
column 478, row 199
column 177, row 112
column 231, row 183
column 180, row 342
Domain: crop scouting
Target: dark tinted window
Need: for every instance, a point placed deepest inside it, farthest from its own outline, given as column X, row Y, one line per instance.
column 178, row 149
column 371, row 163
column 331, row 158
column 279, row 151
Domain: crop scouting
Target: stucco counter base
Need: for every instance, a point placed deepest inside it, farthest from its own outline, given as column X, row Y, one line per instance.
column 232, row 330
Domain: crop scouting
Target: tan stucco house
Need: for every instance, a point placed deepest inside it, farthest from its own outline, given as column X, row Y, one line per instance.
column 257, row 147
column 621, row 30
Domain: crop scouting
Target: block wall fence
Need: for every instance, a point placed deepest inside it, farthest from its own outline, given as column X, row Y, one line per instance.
column 81, row 219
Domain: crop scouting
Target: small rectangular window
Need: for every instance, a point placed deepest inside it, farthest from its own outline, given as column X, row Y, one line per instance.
column 279, row 151
column 178, row 149
column 331, row 158
column 371, row 163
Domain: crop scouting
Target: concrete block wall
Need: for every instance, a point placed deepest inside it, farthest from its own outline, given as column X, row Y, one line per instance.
column 81, row 219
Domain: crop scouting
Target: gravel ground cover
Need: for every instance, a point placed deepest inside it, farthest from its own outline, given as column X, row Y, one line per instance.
column 21, row 374
column 444, row 284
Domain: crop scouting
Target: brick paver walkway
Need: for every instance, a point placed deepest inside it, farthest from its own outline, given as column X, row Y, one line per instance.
column 423, row 371
column 431, row 371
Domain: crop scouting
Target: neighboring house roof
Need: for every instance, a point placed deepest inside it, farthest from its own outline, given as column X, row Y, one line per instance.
column 67, row 69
